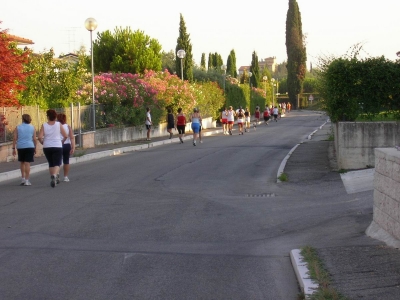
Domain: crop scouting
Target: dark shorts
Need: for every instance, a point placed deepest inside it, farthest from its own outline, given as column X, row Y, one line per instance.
column 66, row 153
column 170, row 126
column 148, row 127
column 181, row 129
column 266, row 118
column 53, row 156
column 26, row 154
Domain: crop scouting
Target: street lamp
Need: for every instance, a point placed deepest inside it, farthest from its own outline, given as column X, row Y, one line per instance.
column 398, row 53
column 181, row 54
column 265, row 79
column 273, row 91
column 250, row 74
column 91, row 24
column 223, row 68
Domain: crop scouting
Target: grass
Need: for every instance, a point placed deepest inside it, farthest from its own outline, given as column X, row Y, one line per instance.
column 318, row 273
column 283, row 177
column 342, row 171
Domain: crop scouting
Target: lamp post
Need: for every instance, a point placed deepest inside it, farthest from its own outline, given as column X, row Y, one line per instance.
column 91, row 24
column 265, row 79
column 398, row 53
column 250, row 74
column 223, row 68
column 273, row 91
column 181, row 54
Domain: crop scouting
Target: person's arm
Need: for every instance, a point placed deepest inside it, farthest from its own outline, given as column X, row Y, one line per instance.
column 63, row 133
column 72, row 139
column 41, row 135
column 34, row 139
column 14, row 151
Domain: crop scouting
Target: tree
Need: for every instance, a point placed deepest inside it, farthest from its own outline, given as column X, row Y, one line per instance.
column 210, row 60
column 255, row 70
column 12, row 73
column 203, row 61
column 54, row 82
column 231, row 68
column 183, row 42
column 126, row 51
column 296, row 52
column 168, row 61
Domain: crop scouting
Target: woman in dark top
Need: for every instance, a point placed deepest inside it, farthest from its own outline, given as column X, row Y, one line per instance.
column 170, row 122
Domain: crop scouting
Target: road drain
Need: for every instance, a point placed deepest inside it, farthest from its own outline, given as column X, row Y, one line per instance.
column 260, row 195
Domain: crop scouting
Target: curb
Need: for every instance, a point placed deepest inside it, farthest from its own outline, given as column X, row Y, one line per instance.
column 307, row 285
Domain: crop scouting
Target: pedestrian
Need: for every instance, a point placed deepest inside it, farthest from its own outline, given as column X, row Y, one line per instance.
column 181, row 124
column 275, row 111
column 50, row 137
column 230, row 116
column 246, row 120
column 240, row 119
column 68, row 145
column 256, row 116
column 289, row 106
column 266, row 114
column 224, row 120
column 148, row 123
column 195, row 118
column 170, row 122
column 25, row 143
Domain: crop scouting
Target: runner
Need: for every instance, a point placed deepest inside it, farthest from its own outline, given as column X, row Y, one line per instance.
column 266, row 114
column 256, row 116
column 231, row 119
column 275, row 111
column 247, row 120
column 224, row 120
column 195, row 118
column 180, row 124
column 240, row 119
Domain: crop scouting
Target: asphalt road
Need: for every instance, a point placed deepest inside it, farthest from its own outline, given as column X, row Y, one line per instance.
column 176, row 222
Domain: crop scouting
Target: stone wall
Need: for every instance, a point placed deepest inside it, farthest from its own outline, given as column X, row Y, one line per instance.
column 386, row 217
column 355, row 142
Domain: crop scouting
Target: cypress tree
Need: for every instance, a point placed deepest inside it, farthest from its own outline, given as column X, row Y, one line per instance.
column 203, row 62
column 210, row 60
column 183, row 42
column 255, row 70
column 296, row 52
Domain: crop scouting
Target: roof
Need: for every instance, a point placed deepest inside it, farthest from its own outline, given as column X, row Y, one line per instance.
column 19, row 40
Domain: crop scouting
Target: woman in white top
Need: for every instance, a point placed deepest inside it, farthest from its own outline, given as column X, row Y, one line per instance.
column 52, row 135
column 230, row 116
column 68, row 146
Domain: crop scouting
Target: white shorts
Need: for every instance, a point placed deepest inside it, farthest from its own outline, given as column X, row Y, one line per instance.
column 240, row 120
column 248, row 119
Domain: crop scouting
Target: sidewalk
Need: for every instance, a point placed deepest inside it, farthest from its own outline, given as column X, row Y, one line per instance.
column 357, row 272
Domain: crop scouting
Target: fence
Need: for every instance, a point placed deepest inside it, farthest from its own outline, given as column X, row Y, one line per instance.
column 80, row 118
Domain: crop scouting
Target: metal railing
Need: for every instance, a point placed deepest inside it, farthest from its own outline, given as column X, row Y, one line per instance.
column 80, row 118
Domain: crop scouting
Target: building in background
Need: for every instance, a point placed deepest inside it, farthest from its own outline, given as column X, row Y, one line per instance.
column 269, row 62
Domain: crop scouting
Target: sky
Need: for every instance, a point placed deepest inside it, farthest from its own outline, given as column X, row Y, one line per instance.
column 332, row 28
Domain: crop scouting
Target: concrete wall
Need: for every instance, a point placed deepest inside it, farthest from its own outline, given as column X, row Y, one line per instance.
column 355, row 142
column 386, row 192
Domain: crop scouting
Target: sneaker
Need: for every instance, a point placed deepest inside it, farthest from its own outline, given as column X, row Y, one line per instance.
column 230, row 132
column 22, row 181
column 27, row 183
column 194, row 143
column 58, row 179
column 181, row 140
column 66, row 179
column 201, row 142
column 53, row 181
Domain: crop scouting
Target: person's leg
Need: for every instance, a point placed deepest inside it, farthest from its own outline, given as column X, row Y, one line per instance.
column 22, row 168
column 27, row 170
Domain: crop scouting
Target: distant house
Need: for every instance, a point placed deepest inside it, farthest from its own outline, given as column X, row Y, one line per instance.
column 70, row 57
column 19, row 40
column 269, row 62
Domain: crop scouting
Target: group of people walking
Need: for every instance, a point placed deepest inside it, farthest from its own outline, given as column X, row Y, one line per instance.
column 178, row 122
column 58, row 143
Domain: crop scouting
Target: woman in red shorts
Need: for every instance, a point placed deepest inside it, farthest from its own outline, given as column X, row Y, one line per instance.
column 180, row 124
column 224, row 120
